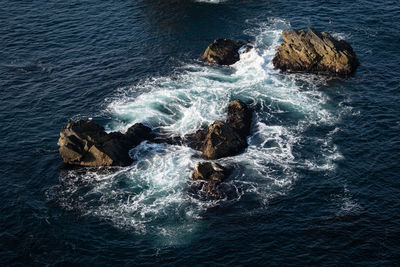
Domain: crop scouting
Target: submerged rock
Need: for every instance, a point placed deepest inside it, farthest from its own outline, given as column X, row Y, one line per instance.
column 224, row 51
column 223, row 139
column 212, row 174
column 315, row 52
column 85, row 143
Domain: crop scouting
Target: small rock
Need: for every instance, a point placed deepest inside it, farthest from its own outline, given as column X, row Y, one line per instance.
column 212, row 174
column 209, row 171
column 224, row 51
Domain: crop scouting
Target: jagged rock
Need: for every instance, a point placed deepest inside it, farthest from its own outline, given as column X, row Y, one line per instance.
column 209, row 171
column 85, row 143
column 315, row 52
column 212, row 174
column 223, row 139
column 239, row 117
column 224, row 51
column 196, row 139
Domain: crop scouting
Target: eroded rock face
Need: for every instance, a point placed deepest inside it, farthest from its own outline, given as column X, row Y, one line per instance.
column 196, row 139
column 239, row 117
column 85, row 143
column 223, row 139
column 315, row 52
column 224, row 51
column 212, row 174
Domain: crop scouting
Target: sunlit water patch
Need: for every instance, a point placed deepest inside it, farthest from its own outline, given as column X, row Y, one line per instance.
column 153, row 195
column 211, row 1
column 346, row 203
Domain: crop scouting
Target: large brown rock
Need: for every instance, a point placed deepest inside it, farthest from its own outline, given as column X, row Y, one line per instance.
column 315, row 52
column 196, row 140
column 224, row 51
column 85, row 143
column 212, row 174
column 223, row 139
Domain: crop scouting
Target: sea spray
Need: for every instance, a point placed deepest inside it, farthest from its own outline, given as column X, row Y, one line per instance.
column 153, row 195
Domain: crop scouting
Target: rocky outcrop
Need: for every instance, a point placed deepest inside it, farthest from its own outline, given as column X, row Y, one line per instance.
column 239, row 117
column 211, row 174
column 223, row 139
column 225, row 51
column 315, row 52
column 85, row 143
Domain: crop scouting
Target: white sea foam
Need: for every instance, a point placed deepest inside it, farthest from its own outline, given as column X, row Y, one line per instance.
column 151, row 196
column 341, row 35
column 147, row 197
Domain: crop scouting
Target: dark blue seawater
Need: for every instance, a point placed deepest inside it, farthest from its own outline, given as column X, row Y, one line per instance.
column 318, row 185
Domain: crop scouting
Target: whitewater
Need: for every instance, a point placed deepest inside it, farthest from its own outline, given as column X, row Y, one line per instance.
column 154, row 195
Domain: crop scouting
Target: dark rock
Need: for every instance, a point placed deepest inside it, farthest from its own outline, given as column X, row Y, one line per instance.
column 224, row 51
column 86, row 143
column 315, row 52
column 239, row 117
column 138, row 131
column 212, row 174
column 223, row 139
column 196, row 139
column 209, row 171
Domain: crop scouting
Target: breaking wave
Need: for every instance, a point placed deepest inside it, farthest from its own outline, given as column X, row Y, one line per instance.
column 153, row 196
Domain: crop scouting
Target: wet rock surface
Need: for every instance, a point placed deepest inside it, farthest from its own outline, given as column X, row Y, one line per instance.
column 223, row 139
column 85, row 143
column 211, row 174
column 239, row 117
column 315, row 52
column 224, row 51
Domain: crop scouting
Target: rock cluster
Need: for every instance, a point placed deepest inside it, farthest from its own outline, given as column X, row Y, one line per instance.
column 315, row 52
column 211, row 174
column 221, row 139
column 224, row 51
column 85, row 143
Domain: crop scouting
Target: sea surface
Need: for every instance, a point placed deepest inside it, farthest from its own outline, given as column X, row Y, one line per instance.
column 319, row 183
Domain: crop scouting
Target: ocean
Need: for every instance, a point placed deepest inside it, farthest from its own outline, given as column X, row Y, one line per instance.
column 319, row 183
